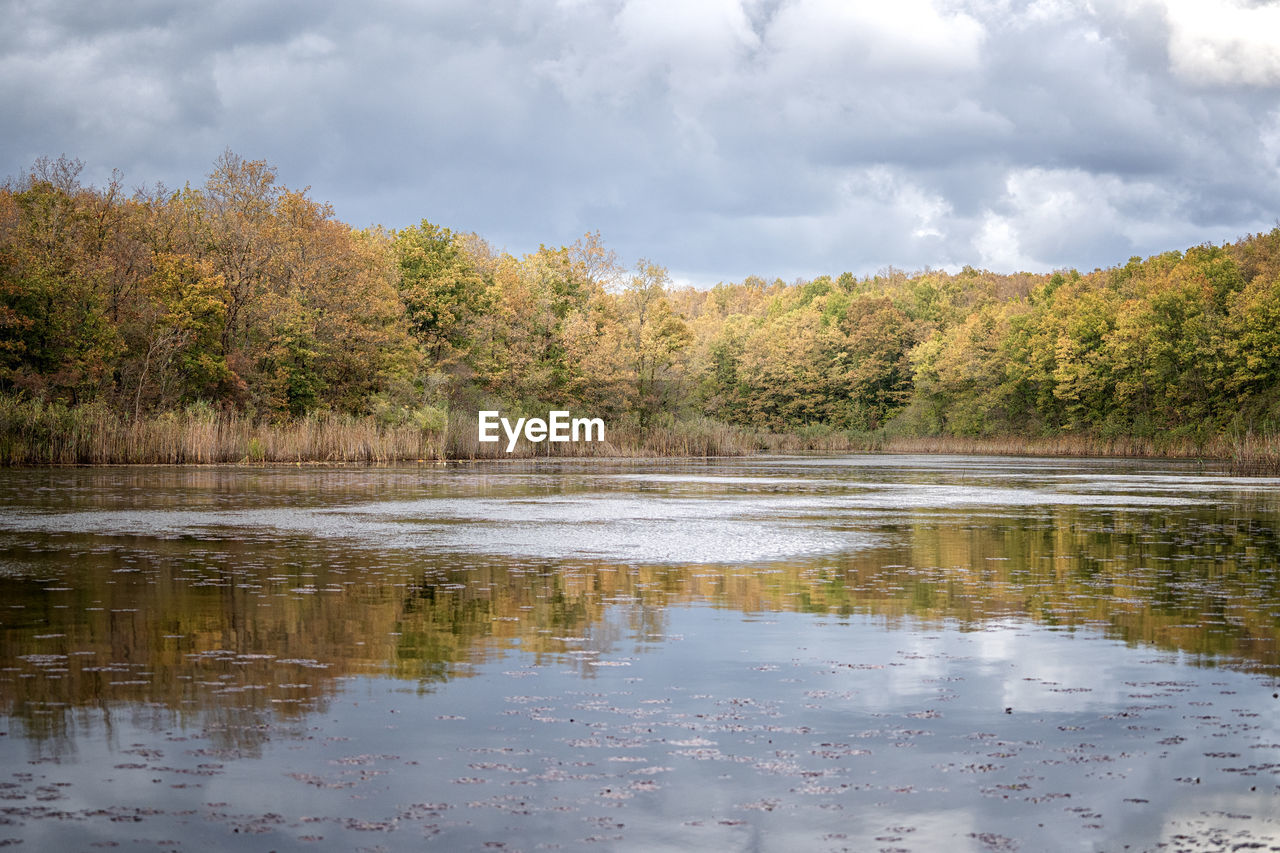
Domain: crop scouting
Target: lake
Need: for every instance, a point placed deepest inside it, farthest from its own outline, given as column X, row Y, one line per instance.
column 871, row 653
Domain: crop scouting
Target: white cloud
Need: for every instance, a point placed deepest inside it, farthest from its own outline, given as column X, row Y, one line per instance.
column 908, row 209
column 998, row 245
column 1223, row 42
column 707, row 32
column 905, row 37
column 1047, row 215
column 721, row 138
column 689, row 50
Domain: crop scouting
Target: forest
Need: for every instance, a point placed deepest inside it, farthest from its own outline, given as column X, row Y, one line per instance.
column 240, row 320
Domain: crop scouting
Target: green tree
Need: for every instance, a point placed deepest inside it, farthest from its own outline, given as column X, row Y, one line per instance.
column 654, row 338
column 440, row 287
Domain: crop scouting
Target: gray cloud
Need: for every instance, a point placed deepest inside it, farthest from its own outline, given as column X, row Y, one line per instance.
column 722, row 138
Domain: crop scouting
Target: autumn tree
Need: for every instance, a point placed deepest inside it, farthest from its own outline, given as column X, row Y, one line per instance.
column 174, row 331
column 53, row 302
column 654, row 336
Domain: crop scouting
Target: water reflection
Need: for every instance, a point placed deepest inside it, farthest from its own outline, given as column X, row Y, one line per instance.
column 267, row 623
column 237, row 609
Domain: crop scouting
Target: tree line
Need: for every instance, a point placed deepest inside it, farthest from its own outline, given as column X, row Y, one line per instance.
column 241, row 295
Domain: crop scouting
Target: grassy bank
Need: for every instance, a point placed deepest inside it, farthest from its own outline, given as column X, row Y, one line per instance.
column 1250, row 454
column 36, row 433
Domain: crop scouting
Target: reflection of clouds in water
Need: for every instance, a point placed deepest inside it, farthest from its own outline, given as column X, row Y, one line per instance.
column 1043, row 671
column 1014, row 664
column 1203, row 487
column 953, row 830
column 649, row 529
column 689, row 541
column 1019, row 666
column 910, row 496
column 616, row 529
column 726, row 480
column 1101, row 475
column 1100, row 491
column 756, row 511
column 1221, row 822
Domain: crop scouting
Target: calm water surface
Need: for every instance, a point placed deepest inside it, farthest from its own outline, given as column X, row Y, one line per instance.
column 862, row 653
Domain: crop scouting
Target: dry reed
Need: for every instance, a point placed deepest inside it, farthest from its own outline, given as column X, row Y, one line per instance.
column 1244, row 455
column 37, row 433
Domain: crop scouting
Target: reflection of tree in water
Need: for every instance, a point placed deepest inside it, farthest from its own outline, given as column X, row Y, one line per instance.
column 1206, row 583
column 239, row 638
column 550, row 610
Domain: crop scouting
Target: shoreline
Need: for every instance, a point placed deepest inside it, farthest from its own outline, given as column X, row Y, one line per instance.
column 1258, row 457
column 34, row 434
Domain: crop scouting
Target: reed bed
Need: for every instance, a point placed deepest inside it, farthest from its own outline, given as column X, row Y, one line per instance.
column 1256, row 455
column 1064, row 445
column 1245, row 455
column 697, row 437
column 37, row 433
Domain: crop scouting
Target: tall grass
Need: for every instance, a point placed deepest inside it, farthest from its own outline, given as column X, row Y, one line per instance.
column 1256, row 455
column 38, row 433
column 1246, row 454
column 1063, row 445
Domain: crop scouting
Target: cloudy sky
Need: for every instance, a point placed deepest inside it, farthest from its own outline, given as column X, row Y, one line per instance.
column 720, row 138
